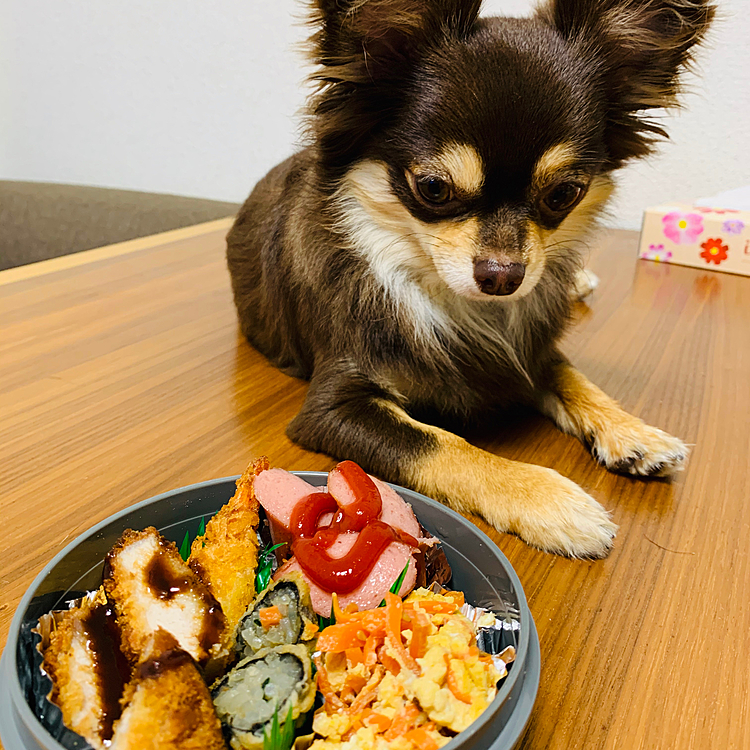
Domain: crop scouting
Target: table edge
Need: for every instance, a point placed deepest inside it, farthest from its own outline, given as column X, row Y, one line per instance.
column 64, row 262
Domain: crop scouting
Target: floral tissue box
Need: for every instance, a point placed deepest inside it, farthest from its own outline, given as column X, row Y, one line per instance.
column 713, row 238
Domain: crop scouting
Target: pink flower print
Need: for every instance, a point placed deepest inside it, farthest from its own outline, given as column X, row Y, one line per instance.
column 681, row 228
column 657, row 252
column 734, row 226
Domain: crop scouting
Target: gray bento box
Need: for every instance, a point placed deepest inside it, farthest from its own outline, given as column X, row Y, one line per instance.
column 29, row 722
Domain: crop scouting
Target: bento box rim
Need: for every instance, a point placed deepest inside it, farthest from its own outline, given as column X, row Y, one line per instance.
column 11, row 647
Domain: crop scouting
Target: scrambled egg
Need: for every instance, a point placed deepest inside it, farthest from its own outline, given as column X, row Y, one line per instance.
column 456, row 683
column 410, row 710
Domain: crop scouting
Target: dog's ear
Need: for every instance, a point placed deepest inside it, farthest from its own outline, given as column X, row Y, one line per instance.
column 639, row 49
column 365, row 50
column 364, row 40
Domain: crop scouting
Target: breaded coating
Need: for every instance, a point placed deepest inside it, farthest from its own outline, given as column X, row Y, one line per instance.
column 226, row 557
column 168, row 707
column 151, row 588
column 82, row 662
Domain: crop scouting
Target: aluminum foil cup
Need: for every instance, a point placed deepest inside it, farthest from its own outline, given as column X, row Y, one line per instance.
column 29, row 722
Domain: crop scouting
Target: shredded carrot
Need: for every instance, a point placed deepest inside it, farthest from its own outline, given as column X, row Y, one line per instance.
column 369, row 693
column 389, row 662
column 338, row 615
column 420, row 629
column 370, row 653
column 333, row 702
column 404, row 720
column 343, row 615
column 431, row 606
column 452, row 682
column 421, row 739
column 340, row 637
column 354, row 656
column 393, row 610
column 371, row 620
column 269, row 616
column 355, row 682
column 379, row 722
column 457, row 596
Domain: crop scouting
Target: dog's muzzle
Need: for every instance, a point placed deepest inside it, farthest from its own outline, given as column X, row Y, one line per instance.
column 498, row 279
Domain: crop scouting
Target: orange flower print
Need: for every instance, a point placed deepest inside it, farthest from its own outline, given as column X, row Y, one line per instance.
column 714, row 251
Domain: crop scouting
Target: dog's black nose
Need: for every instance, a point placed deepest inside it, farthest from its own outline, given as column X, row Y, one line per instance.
column 496, row 278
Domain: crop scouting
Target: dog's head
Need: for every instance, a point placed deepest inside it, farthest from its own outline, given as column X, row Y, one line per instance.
column 473, row 151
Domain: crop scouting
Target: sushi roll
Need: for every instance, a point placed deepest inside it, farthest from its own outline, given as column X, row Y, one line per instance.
column 282, row 614
column 247, row 697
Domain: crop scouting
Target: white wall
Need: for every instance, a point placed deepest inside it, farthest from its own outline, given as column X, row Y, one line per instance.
column 200, row 98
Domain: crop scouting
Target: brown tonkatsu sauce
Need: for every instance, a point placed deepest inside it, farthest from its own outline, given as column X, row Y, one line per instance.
column 171, row 659
column 112, row 670
column 166, row 580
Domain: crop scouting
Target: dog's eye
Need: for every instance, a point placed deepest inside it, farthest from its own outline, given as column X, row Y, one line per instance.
column 562, row 197
column 434, row 190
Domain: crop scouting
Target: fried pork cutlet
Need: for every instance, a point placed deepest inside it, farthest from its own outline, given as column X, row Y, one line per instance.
column 226, row 557
column 168, row 707
column 87, row 670
column 152, row 588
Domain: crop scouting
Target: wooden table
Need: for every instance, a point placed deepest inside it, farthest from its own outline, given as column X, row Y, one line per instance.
column 123, row 374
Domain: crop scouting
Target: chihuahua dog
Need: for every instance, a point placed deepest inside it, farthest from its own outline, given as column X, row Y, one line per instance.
column 418, row 260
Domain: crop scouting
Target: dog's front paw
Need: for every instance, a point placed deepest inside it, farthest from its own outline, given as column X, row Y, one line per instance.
column 633, row 447
column 558, row 516
column 584, row 284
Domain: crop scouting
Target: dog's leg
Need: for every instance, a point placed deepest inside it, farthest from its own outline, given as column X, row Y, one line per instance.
column 349, row 417
column 618, row 440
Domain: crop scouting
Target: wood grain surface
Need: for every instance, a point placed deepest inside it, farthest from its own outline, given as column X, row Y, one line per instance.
column 126, row 376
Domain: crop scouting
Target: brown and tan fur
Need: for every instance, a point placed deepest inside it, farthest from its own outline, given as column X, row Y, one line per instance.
column 361, row 262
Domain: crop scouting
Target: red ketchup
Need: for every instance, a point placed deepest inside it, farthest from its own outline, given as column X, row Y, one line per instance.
column 311, row 544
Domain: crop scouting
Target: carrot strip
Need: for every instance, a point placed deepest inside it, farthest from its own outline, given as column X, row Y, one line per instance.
column 333, row 702
column 432, row 607
column 369, row 692
column 404, row 720
column 379, row 722
column 370, row 653
column 389, row 663
column 452, row 682
column 421, row 739
column 354, row 656
column 355, row 682
column 393, row 611
column 341, row 637
column 343, row 615
column 456, row 596
column 371, row 620
column 421, row 628
column 269, row 616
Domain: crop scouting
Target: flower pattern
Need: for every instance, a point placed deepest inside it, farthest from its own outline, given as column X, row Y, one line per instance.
column 714, row 251
column 657, row 252
column 682, row 228
column 734, row 226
